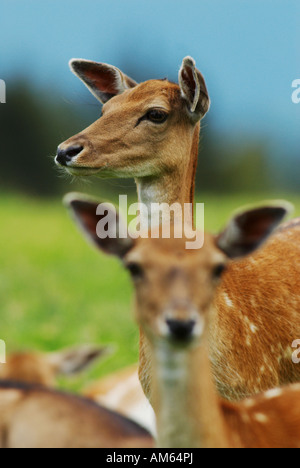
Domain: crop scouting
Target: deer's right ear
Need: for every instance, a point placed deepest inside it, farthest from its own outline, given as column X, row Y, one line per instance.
column 100, row 223
column 193, row 89
column 104, row 81
column 74, row 360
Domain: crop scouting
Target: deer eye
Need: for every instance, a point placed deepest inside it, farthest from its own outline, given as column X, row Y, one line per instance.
column 218, row 271
column 135, row 270
column 157, row 116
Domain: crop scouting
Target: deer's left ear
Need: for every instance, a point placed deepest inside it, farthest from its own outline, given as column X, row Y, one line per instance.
column 248, row 230
column 193, row 89
column 74, row 360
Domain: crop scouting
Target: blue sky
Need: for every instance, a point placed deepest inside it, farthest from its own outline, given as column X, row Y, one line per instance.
column 248, row 51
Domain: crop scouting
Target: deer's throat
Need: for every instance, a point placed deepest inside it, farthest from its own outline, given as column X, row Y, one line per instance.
column 176, row 427
column 186, row 404
column 171, row 188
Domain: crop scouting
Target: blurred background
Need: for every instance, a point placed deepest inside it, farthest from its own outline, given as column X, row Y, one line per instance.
column 55, row 290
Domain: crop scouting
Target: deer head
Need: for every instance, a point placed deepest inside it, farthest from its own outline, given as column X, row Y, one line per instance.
column 175, row 287
column 145, row 129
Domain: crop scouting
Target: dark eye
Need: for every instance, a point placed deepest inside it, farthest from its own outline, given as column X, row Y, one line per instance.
column 218, row 271
column 157, row 116
column 135, row 270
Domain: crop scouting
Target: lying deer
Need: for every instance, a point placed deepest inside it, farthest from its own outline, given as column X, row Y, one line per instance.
column 36, row 417
column 255, row 306
column 44, row 368
column 33, row 417
column 176, row 293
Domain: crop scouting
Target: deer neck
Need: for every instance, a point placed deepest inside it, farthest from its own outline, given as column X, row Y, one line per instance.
column 176, row 186
column 187, row 407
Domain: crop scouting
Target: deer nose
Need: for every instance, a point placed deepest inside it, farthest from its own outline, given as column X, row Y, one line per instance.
column 181, row 330
column 65, row 156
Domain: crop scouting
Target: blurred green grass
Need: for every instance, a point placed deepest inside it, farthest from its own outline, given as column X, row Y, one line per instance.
column 57, row 291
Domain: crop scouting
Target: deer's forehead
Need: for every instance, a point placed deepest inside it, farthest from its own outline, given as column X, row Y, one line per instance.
column 153, row 93
column 167, row 254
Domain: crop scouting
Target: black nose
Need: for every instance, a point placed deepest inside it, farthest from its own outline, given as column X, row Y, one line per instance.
column 66, row 155
column 181, row 330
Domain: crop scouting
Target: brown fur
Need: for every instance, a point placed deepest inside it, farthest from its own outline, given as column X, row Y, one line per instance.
column 33, row 417
column 268, row 420
column 262, row 322
column 28, row 367
column 250, row 338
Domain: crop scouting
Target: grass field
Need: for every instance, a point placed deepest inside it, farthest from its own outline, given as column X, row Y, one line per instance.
column 56, row 291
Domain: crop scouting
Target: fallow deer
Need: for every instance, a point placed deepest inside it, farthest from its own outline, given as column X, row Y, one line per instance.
column 176, row 295
column 256, row 307
column 162, row 157
column 35, row 417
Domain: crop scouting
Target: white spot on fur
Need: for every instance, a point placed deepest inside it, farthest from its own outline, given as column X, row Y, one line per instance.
column 262, row 418
column 228, row 301
column 274, row 393
column 288, row 353
column 249, row 403
column 253, row 328
column 248, row 341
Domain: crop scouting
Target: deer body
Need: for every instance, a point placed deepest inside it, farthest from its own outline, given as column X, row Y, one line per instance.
column 35, row 417
column 32, row 416
column 176, row 292
column 255, row 320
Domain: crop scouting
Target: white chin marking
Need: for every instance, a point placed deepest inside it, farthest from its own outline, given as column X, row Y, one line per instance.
column 77, row 171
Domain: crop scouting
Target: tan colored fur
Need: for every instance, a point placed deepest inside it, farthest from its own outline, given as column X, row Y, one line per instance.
column 32, row 417
column 180, row 281
column 255, row 318
column 29, row 367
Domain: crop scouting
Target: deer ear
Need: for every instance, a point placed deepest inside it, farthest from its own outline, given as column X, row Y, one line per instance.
column 248, row 230
column 74, row 360
column 193, row 89
column 104, row 81
column 100, row 223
